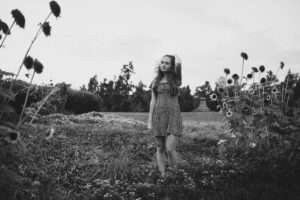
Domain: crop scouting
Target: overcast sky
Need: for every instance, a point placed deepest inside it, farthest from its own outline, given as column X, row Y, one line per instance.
column 96, row 37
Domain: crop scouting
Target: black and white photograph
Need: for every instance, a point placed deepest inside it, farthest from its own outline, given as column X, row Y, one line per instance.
column 149, row 100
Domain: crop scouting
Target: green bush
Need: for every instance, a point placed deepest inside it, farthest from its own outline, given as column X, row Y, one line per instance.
column 79, row 102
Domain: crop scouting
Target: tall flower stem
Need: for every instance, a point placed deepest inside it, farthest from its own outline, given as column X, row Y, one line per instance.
column 26, row 99
column 34, row 39
column 56, row 89
column 242, row 72
column 226, row 87
column 286, row 85
column 1, row 45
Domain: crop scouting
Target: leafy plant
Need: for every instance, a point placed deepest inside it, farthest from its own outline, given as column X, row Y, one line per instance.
column 261, row 109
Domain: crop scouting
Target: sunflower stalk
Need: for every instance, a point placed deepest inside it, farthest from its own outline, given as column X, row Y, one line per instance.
column 34, row 39
column 286, row 85
column 242, row 72
column 26, row 99
column 56, row 89
column 226, row 87
column 1, row 45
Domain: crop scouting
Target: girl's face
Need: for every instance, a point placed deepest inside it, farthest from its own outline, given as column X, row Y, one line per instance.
column 165, row 64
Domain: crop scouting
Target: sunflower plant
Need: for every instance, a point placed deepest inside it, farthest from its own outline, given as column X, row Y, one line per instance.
column 256, row 109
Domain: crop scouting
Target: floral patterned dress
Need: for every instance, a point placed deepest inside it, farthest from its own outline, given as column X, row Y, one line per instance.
column 166, row 117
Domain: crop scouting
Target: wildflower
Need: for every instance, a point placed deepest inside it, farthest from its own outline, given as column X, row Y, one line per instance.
column 4, row 28
column 227, row 71
column 213, row 97
column 281, row 65
column 229, row 81
column 36, row 183
column 38, row 66
column 249, row 76
column 19, row 18
column 13, row 136
column 28, row 62
column 244, row 56
column 268, row 98
column 252, row 145
column 262, row 68
column 263, row 80
column 221, row 141
column 255, row 69
column 46, row 28
column 235, row 77
column 55, row 8
column 49, row 133
column 229, row 113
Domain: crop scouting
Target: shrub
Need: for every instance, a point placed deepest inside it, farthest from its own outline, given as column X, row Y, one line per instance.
column 79, row 102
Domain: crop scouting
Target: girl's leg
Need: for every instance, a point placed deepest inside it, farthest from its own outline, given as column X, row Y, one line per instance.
column 161, row 154
column 171, row 150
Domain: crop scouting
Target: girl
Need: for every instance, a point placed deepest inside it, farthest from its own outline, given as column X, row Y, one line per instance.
column 165, row 120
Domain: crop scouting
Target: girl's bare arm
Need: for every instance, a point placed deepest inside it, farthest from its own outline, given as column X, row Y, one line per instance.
column 151, row 109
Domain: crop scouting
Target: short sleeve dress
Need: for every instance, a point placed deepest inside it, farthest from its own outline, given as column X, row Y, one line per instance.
column 166, row 118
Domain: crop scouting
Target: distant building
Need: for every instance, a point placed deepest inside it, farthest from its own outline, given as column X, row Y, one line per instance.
column 221, row 81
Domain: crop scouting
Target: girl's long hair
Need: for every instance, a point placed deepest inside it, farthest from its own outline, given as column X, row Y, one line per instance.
column 173, row 80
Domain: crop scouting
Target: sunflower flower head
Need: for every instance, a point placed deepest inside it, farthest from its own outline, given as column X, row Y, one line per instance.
column 227, row 71
column 4, row 28
column 213, row 97
column 268, row 98
column 13, row 136
column 255, row 69
column 228, row 113
column 274, row 90
column 263, row 80
column 235, row 77
column 55, row 8
column 46, row 28
column 261, row 68
column 28, row 62
column 38, row 66
column 19, row 18
column 229, row 81
column 281, row 65
column 221, row 90
column 249, row 76
column 244, row 56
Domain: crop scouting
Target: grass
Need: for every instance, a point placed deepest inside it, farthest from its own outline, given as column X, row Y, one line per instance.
column 109, row 157
column 187, row 117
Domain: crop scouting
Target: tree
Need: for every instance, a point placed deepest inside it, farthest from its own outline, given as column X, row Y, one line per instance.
column 203, row 91
column 93, row 84
column 185, row 99
column 139, row 99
